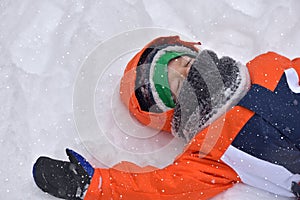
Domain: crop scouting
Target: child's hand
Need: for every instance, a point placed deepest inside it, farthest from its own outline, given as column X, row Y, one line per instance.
column 67, row 180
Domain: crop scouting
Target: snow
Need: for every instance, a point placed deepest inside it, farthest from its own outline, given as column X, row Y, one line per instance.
column 43, row 44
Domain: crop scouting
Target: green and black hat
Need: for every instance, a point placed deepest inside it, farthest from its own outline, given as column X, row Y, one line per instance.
column 152, row 86
column 144, row 87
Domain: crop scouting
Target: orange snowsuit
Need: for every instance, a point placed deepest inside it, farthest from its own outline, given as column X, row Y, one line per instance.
column 194, row 174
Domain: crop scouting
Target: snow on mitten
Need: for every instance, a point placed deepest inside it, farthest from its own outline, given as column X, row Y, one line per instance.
column 63, row 179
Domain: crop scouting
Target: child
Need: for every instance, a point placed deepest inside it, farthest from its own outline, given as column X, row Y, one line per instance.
column 240, row 124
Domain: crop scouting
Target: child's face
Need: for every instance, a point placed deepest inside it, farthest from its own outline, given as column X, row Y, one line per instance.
column 178, row 70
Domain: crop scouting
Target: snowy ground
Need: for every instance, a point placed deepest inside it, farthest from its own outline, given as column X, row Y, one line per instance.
column 43, row 43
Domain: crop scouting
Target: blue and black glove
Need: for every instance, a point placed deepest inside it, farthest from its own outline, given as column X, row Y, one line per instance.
column 62, row 179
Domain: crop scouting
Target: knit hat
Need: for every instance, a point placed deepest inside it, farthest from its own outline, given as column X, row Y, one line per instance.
column 144, row 86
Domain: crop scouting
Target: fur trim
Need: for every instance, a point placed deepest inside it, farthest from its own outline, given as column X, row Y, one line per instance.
column 190, row 119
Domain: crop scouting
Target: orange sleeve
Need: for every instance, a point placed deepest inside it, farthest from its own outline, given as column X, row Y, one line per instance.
column 267, row 69
column 296, row 65
column 189, row 177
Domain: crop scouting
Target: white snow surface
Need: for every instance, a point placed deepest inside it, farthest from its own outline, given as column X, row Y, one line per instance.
column 43, row 44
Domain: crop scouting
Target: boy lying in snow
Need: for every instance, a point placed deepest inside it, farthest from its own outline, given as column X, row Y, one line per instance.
column 241, row 124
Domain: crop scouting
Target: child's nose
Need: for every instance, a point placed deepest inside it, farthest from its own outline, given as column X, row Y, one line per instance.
column 187, row 68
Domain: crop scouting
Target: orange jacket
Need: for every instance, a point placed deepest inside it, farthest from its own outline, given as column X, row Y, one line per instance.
column 199, row 172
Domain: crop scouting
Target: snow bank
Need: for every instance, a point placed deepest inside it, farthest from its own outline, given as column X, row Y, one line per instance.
column 43, row 44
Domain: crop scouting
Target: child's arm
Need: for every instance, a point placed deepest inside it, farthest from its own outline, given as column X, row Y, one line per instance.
column 189, row 177
column 186, row 178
